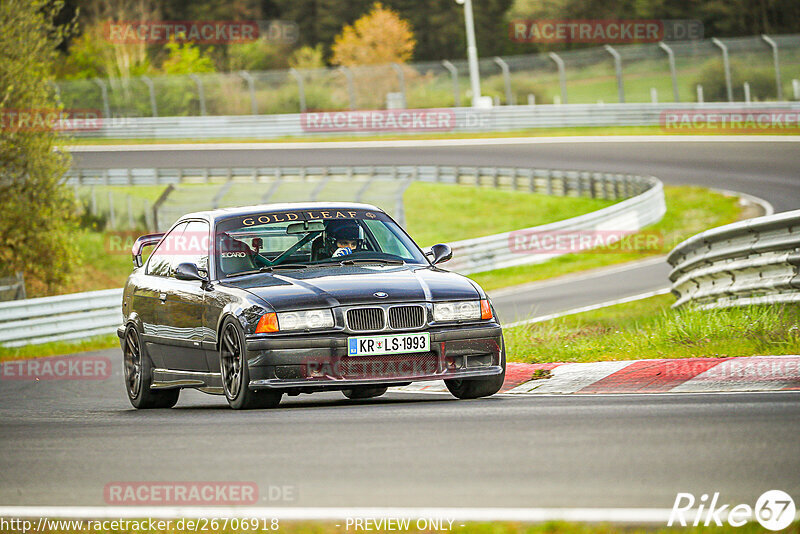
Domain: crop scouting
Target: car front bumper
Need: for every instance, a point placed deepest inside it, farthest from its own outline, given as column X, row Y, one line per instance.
column 320, row 361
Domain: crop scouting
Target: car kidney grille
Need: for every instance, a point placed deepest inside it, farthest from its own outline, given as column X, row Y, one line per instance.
column 401, row 317
column 389, row 366
column 365, row 319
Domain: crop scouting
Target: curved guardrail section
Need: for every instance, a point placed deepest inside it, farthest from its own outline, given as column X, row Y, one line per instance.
column 452, row 120
column 93, row 313
column 756, row 261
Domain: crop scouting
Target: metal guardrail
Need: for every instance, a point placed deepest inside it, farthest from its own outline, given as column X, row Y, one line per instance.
column 756, row 261
column 82, row 315
column 64, row 317
column 459, row 120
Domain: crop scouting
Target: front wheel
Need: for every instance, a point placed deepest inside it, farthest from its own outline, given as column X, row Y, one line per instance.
column 139, row 376
column 236, row 375
column 481, row 387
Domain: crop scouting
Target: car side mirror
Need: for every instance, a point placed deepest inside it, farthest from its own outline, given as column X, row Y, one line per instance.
column 188, row 271
column 441, row 253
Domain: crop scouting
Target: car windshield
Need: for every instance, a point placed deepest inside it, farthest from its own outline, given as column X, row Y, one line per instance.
column 306, row 238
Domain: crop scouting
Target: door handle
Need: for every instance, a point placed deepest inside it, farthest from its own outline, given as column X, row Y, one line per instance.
column 162, row 297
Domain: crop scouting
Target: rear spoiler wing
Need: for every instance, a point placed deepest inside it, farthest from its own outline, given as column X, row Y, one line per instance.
column 140, row 243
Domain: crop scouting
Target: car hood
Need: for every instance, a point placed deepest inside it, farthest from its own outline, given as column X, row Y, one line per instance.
column 355, row 285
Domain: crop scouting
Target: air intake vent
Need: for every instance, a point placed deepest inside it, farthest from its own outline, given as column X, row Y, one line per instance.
column 365, row 319
column 401, row 317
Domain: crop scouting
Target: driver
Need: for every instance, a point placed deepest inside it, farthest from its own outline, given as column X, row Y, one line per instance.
column 346, row 238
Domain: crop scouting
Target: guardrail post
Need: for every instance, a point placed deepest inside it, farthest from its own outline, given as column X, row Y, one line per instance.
column 549, row 186
column 152, row 90
column 251, row 85
column 454, row 74
column 351, row 90
column 93, row 204
column 726, row 65
column 506, row 80
column 672, row 71
column 772, row 44
column 618, row 68
column 562, row 75
column 159, row 201
column 746, row 87
column 301, row 90
column 699, row 93
column 201, row 95
column 401, row 80
column 104, row 95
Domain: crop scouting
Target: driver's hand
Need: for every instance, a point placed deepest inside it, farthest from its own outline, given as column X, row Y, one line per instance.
column 342, row 251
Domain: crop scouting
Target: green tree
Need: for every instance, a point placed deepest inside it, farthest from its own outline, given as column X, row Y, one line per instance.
column 38, row 210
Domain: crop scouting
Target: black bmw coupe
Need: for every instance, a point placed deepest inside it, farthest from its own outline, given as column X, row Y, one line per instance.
column 264, row 300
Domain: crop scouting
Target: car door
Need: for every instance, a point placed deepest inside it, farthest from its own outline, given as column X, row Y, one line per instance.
column 182, row 318
column 150, row 296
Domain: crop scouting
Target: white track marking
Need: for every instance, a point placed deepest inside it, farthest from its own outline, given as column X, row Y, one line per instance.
column 617, row 515
column 578, row 276
column 425, row 143
column 757, row 373
column 571, row 377
column 591, row 307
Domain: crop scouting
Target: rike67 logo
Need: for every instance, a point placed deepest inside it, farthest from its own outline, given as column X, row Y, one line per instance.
column 774, row 510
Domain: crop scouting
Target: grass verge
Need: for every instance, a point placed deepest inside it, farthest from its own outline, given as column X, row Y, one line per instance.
column 650, row 329
column 57, row 348
column 690, row 210
column 531, row 132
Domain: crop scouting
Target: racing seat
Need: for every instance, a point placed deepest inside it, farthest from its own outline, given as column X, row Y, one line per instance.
column 235, row 256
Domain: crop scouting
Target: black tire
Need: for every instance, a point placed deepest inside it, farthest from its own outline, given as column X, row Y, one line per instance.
column 236, row 375
column 364, row 392
column 138, row 373
column 481, row 387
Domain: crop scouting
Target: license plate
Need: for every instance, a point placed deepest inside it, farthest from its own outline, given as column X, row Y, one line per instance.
column 396, row 344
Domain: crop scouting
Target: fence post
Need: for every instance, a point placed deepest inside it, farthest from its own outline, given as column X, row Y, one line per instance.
column 506, row 80
column 301, row 90
column 111, row 218
column 200, row 93
column 251, row 85
column 726, row 65
column 699, row 93
column 152, row 90
column 94, row 201
column 351, row 90
column 401, row 79
column 454, row 74
column 618, row 68
column 653, row 95
column 562, row 75
column 672, row 71
column 56, row 90
column 772, row 44
column 130, row 213
column 104, row 94
column 746, row 87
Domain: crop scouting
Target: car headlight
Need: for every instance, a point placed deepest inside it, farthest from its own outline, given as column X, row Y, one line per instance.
column 305, row 320
column 457, row 311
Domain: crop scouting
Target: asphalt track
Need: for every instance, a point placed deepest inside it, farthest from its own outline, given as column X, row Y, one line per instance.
column 61, row 442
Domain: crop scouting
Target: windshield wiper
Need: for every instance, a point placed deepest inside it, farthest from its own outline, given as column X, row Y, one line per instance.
column 269, row 269
column 368, row 260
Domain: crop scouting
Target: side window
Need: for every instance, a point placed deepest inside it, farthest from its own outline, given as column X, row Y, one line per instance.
column 160, row 262
column 386, row 239
column 193, row 247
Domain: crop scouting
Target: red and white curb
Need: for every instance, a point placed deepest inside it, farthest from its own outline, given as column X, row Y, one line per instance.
column 695, row 375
